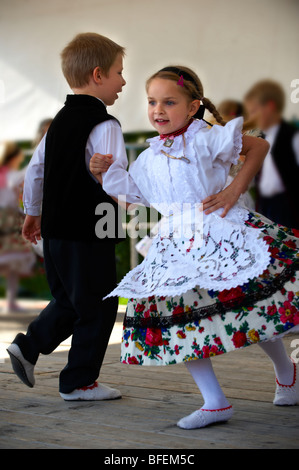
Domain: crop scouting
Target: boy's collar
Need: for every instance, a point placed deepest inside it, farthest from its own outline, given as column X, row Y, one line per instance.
column 102, row 101
column 272, row 129
column 78, row 97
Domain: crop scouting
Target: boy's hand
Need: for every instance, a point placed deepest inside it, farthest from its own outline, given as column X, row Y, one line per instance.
column 100, row 163
column 226, row 199
column 32, row 228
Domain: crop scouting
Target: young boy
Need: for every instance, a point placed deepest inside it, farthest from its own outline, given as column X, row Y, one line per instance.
column 278, row 180
column 80, row 266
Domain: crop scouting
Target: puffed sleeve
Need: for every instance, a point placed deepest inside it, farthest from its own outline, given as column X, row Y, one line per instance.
column 118, row 182
column 225, row 142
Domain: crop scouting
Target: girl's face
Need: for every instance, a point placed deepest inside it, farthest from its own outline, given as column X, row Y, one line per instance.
column 169, row 108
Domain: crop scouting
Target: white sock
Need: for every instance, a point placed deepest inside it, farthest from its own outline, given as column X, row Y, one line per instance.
column 202, row 418
column 205, row 378
column 283, row 365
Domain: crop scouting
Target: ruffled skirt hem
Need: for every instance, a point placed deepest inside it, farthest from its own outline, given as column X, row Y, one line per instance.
column 264, row 320
column 191, row 348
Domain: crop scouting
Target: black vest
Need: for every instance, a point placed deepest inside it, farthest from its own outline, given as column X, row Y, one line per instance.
column 70, row 194
column 287, row 166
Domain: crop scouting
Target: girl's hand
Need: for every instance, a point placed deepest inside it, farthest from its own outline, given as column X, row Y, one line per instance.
column 255, row 150
column 226, row 199
column 100, row 163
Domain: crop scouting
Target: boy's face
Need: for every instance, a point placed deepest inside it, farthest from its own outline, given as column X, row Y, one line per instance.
column 262, row 113
column 113, row 83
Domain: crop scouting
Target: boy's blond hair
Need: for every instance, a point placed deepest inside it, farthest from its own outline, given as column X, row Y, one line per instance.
column 86, row 52
column 265, row 91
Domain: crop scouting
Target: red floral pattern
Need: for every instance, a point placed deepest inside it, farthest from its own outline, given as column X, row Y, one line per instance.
column 250, row 318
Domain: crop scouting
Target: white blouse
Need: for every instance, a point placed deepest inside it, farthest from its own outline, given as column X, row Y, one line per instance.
column 212, row 252
column 211, row 151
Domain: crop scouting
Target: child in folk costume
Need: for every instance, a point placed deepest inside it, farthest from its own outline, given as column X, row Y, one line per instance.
column 214, row 287
column 57, row 186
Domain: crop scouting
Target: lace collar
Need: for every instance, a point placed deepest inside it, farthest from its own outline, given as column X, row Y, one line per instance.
column 157, row 144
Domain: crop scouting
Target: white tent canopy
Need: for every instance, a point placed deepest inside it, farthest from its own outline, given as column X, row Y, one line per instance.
column 230, row 44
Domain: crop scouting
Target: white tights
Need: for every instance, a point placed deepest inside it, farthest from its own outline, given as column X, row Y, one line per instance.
column 205, row 378
column 203, row 374
column 283, row 365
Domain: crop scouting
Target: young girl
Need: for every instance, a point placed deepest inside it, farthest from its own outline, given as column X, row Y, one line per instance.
column 208, row 288
column 16, row 256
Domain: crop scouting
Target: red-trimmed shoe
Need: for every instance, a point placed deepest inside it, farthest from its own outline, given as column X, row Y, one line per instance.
column 92, row 392
column 287, row 395
column 202, row 418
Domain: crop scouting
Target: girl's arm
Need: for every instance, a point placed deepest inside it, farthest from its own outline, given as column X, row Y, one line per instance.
column 255, row 149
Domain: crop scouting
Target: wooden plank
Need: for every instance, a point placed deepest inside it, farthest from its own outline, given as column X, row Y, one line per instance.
column 154, row 398
column 61, row 429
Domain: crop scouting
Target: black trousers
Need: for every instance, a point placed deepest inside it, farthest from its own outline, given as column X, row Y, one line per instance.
column 79, row 274
column 279, row 210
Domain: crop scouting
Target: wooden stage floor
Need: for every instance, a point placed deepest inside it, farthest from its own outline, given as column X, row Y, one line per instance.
column 153, row 400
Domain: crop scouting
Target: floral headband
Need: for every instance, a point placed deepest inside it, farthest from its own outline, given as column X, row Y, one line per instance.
column 189, row 78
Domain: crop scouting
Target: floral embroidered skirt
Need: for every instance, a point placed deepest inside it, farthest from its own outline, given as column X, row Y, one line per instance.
column 203, row 323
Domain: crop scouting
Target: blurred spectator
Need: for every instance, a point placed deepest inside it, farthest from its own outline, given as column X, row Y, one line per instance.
column 16, row 256
column 278, row 180
column 230, row 109
column 42, row 129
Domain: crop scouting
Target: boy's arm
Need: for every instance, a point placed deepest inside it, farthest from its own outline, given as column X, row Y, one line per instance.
column 255, row 150
column 32, row 228
column 98, row 165
column 33, row 194
column 107, row 139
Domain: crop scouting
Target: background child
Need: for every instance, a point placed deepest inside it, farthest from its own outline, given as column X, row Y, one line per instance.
column 16, row 256
column 77, row 261
column 278, row 179
column 189, row 301
column 230, row 109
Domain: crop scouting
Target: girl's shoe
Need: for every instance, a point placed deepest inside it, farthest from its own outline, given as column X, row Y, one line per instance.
column 92, row 392
column 287, row 395
column 202, row 418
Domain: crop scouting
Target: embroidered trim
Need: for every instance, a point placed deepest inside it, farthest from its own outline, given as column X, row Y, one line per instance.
column 176, row 133
column 294, row 379
column 89, row 387
column 216, row 308
column 157, row 144
column 220, row 409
